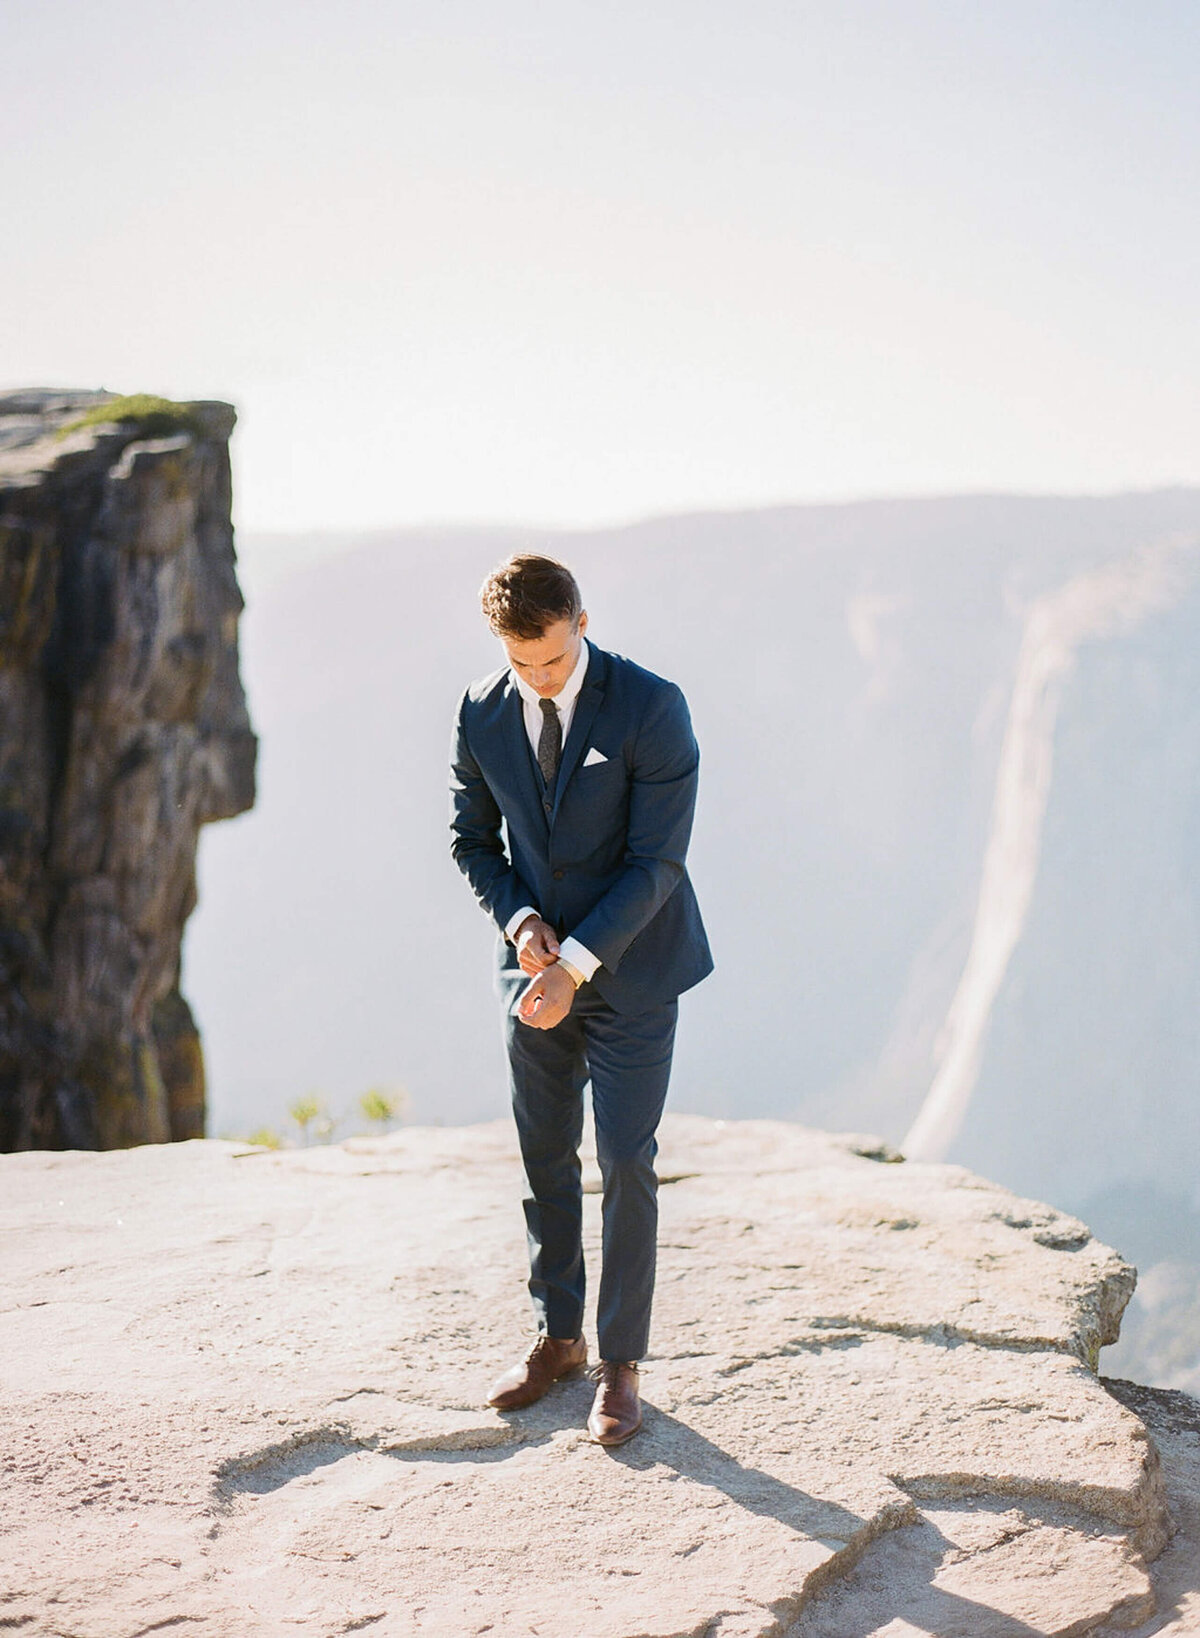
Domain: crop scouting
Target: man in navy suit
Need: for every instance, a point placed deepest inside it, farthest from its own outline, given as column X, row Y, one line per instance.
column 573, row 784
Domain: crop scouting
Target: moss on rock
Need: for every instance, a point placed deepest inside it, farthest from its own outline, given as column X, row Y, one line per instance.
column 159, row 417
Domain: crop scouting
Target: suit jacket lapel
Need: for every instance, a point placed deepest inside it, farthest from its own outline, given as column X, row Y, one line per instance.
column 591, row 697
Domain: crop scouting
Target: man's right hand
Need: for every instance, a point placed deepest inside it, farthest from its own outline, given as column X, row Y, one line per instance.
column 537, row 947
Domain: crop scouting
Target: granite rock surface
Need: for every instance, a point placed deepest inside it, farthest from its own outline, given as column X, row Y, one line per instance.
column 1173, row 1421
column 123, row 730
column 244, row 1394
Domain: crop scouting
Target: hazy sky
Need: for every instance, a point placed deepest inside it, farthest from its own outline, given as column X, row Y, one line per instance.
column 556, row 262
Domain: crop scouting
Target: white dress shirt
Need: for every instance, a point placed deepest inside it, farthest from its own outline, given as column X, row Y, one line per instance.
column 563, row 701
column 571, row 950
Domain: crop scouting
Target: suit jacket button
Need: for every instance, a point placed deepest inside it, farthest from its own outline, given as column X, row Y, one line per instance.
column 559, row 874
column 547, row 806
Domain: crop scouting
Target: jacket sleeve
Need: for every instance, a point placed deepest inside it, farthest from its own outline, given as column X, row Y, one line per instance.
column 476, row 843
column 662, row 801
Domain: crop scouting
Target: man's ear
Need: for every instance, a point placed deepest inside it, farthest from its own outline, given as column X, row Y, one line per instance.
column 581, row 623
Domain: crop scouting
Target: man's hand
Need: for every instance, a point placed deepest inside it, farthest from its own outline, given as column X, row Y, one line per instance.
column 537, row 947
column 548, row 999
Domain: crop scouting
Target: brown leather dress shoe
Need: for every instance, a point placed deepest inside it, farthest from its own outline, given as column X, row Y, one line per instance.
column 616, row 1409
column 545, row 1362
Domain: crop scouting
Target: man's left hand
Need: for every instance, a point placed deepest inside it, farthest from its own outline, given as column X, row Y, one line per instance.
column 537, row 947
column 556, row 989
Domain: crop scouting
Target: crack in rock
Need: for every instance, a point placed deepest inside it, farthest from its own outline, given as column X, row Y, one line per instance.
column 1142, row 1513
column 260, row 1472
column 845, row 1331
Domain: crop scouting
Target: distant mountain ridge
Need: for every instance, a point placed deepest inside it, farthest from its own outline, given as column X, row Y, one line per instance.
column 852, row 674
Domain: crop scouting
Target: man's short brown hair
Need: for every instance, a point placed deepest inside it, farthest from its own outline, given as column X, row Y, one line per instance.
column 526, row 594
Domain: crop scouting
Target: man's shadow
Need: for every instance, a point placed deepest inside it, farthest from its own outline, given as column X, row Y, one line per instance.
column 665, row 1441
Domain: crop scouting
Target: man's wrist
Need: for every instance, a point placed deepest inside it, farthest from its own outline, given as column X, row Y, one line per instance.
column 580, row 957
column 572, row 972
column 515, row 923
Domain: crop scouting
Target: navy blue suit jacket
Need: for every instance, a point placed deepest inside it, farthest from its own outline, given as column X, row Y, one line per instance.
column 601, row 853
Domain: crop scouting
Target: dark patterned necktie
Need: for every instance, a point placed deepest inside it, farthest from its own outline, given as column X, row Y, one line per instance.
column 550, row 744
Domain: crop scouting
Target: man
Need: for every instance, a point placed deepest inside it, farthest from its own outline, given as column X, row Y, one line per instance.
column 589, row 764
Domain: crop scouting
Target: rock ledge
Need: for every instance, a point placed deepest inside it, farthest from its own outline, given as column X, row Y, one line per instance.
column 243, row 1391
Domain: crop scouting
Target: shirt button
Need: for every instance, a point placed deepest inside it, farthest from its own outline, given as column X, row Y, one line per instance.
column 559, row 874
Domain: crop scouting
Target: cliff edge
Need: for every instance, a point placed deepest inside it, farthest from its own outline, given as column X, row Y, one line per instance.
column 123, row 729
column 243, row 1391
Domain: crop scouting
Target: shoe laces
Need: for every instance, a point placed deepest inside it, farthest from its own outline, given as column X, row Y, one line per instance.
column 608, row 1371
column 542, row 1340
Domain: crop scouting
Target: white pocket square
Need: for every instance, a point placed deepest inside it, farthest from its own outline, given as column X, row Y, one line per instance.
column 594, row 756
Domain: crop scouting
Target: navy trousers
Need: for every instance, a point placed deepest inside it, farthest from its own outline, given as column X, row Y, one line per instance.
column 627, row 1058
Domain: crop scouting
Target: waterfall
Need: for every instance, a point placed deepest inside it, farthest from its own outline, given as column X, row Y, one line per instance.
column 1097, row 604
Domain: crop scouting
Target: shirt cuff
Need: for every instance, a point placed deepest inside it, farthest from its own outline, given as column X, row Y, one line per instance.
column 579, row 956
column 510, row 930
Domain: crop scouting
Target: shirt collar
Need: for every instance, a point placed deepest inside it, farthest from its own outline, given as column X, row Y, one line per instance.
column 567, row 694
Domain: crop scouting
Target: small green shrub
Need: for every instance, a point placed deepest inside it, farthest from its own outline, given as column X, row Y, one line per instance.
column 382, row 1107
column 304, row 1111
column 265, row 1138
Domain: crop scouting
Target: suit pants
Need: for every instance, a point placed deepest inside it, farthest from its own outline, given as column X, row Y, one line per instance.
column 627, row 1058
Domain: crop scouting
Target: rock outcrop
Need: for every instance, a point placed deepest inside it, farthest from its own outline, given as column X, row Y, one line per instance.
column 1173, row 1421
column 243, row 1392
column 123, row 729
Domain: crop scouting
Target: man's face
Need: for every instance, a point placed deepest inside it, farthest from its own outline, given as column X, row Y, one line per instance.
column 547, row 661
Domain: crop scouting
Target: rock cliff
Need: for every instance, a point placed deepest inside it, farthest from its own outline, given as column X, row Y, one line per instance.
column 123, row 729
column 243, row 1392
